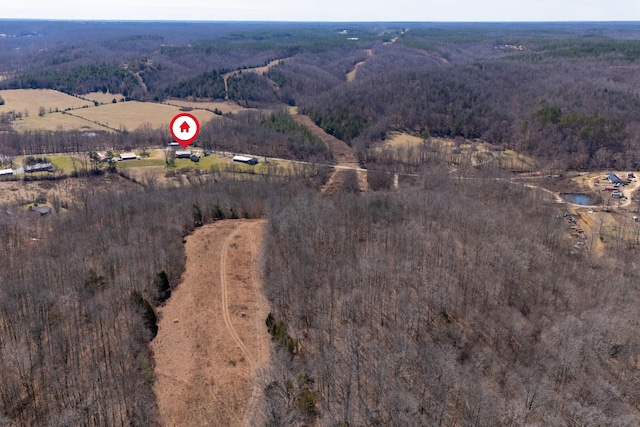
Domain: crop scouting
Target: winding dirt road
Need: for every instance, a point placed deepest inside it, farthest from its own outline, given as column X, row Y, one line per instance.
column 212, row 339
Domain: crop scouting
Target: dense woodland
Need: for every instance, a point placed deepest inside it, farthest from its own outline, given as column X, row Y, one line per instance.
column 454, row 304
column 78, row 290
column 457, row 301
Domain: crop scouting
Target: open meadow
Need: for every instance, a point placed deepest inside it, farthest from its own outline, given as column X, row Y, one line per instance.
column 29, row 101
column 133, row 114
column 223, row 106
column 60, row 121
column 50, row 110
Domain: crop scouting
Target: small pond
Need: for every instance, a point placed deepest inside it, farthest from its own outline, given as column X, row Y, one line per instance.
column 578, row 199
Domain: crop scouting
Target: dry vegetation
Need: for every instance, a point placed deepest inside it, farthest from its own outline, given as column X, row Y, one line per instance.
column 456, row 304
column 77, row 313
column 132, row 115
column 206, row 367
column 102, row 98
column 453, row 292
column 30, row 100
column 56, row 122
column 222, row 106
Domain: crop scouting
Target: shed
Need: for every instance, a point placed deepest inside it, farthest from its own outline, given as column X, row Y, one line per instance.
column 128, row 156
column 248, row 160
column 4, row 172
column 42, row 210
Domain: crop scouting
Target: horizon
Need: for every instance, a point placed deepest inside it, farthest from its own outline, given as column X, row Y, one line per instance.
column 276, row 21
column 328, row 11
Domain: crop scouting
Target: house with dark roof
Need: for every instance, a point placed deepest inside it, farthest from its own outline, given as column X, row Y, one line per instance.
column 613, row 178
column 42, row 210
column 39, row 167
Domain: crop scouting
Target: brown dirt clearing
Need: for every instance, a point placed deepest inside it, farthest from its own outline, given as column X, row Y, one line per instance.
column 342, row 154
column 212, row 338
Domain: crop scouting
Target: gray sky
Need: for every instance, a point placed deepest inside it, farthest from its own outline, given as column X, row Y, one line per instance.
column 326, row 10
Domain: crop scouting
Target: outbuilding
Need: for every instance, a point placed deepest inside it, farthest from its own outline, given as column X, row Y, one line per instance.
column 183, row 154
column 248, row 160
column 42, row 210
column 128, row 156
column 613, row 178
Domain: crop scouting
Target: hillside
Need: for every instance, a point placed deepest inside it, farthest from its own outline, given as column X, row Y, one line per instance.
column 407, row 242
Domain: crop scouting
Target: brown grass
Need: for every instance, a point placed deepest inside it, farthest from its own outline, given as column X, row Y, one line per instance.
column 400, row 139
column 224, row 106
column 132, row 115
column 85, row 116
column 55, row 121
column 212, row 338
column 21, row 192
column 31, row 100
column 102, row 98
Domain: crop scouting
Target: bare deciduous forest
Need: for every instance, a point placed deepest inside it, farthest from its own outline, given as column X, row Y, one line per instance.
column 453, row 304
column 450, row 295
column 79, row 291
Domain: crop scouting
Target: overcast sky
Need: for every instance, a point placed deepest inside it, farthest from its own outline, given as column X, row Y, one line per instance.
column 326, row 10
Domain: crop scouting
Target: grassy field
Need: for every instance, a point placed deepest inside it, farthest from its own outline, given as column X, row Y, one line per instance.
column 102, row 98
column 223, row 106
column 398, row 139
column 84, row 115
column 132, row 115
column 30, row 100
column 55, row 121
column 64, row 162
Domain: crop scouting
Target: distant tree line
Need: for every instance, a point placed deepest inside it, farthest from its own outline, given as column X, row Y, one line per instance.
column 80, row 80
column 496, row 101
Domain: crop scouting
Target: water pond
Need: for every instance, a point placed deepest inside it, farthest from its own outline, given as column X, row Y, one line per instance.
column 578, row 199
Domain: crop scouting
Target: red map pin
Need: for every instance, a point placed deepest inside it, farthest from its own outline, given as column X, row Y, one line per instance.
column 184, row 128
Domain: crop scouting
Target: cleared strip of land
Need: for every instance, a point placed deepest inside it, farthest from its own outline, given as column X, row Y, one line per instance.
column 212, row 337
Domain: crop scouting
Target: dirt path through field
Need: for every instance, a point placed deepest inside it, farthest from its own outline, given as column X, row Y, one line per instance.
column 256, row 70
column 342, row 153
column 212, row 339
column 351, row 75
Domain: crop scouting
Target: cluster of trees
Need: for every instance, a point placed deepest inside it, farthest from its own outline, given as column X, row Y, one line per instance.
column 269, row 134
column 251, row 90
column 454, row 304
column 84, row 79
column 79, row 291
column 41, row 142
column 208, row 85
